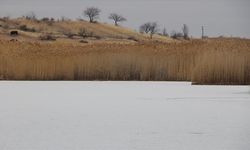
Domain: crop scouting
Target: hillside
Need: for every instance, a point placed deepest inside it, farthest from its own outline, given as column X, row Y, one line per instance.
column 69, row 31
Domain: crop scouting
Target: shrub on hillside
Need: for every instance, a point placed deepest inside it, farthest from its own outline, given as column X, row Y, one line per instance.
column 84, row 33
column 45, row 19
column 49, row 21
column 69, row 34
column 4, row 19
column 25, row 28
column 63, row 19
column 30, row 16
column 176, row 35
column 47, row 37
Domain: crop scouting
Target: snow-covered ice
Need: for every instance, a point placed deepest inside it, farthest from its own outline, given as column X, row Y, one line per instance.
column 123, row 116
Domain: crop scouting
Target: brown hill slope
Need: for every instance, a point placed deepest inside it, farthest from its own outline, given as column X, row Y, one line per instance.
column 61, row 29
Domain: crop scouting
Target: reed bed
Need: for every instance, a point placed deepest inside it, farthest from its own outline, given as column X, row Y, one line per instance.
column 215, row 61
column 222, row 68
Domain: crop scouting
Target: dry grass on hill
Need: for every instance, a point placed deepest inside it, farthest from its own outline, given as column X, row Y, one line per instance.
column 212, row 61
column 60, row 28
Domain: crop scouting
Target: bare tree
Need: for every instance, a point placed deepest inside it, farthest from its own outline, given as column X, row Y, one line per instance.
column 150, row 27
column 145, row 28
column 117, row 18
column 153, row 29
column 30, row 16
column 92, row 13
column 185, row 31
column 164, row 32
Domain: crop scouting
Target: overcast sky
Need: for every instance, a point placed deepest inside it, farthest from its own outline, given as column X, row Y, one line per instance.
column 220, row 17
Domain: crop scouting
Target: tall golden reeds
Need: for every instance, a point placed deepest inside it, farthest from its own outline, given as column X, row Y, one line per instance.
column 218, row 61
column 222, row 68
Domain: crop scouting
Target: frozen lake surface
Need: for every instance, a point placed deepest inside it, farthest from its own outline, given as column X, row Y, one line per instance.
column 123, row 116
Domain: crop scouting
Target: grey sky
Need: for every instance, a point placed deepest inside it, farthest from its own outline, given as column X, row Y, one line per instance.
column 220, row 17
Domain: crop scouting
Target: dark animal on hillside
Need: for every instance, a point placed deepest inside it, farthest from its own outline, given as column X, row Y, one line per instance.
column 13, row 33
